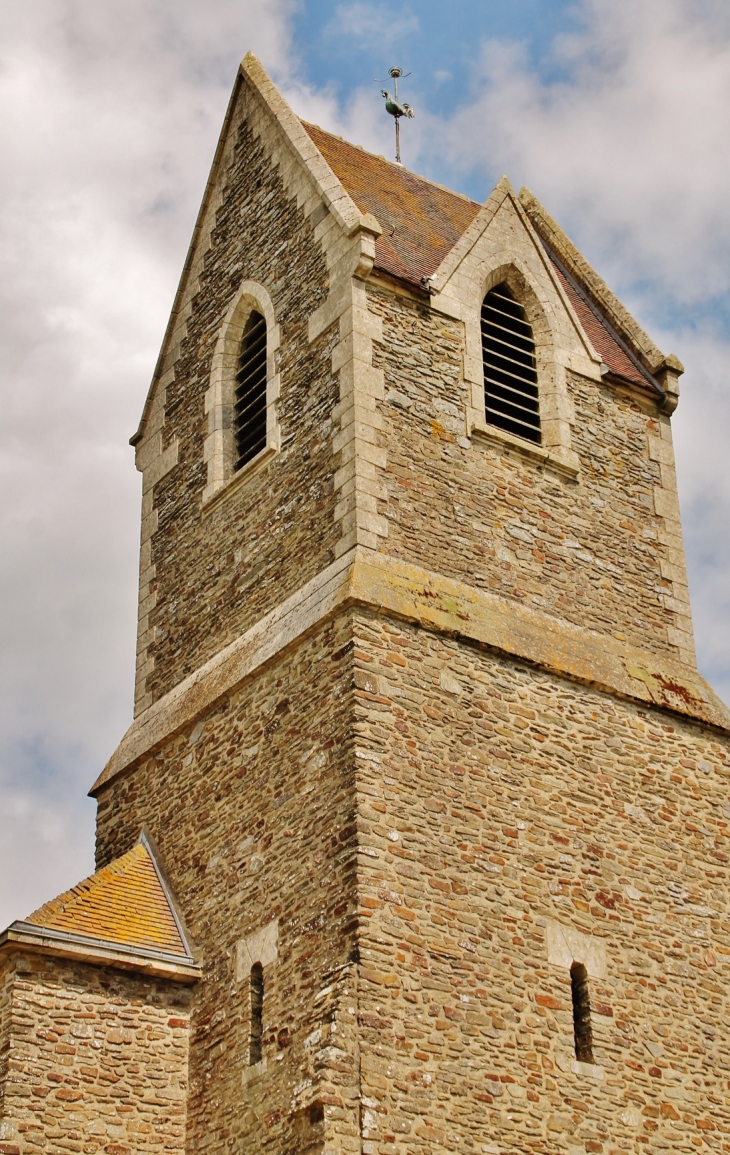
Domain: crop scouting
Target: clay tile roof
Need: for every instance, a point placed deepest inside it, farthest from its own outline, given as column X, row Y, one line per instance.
column 123, row 903
column 422, row 222
column 604, row 342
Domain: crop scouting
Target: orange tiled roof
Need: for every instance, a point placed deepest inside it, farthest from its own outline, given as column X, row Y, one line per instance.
column 603, row 340
column 422, row 222
column 122, row 903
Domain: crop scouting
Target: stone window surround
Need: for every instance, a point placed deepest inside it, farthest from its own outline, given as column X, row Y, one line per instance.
column 220, row 444
column 565, row 946
column 260, row 947
column 556, row 408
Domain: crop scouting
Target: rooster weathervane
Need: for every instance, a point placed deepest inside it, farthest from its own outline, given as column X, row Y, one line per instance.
column 395, row 109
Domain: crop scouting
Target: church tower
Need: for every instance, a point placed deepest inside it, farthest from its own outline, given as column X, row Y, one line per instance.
column 431, row 795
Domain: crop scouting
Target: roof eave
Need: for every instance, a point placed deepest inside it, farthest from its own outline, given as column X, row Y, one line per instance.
column 99, row 952
column 663, row 370
column 418, row 287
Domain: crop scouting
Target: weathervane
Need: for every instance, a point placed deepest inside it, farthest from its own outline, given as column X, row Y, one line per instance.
column 395, row 109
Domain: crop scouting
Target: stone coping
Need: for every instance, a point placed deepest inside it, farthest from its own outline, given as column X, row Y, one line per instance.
column 390, row 586
column 99, row 952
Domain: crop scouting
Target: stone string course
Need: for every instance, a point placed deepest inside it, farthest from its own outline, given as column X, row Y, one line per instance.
column 94, row 1060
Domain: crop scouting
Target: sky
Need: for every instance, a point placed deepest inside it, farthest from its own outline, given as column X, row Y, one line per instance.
column 615, row 114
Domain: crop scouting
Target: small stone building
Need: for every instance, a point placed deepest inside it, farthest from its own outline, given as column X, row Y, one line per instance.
column 419, row 735
column 94, row 1017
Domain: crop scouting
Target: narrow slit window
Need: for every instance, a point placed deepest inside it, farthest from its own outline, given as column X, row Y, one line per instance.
column 582, row 1030
column 510, row 369
column 257, row 1013
column 250, row 407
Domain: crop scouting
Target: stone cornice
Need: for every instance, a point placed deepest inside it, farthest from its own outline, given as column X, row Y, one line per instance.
column 390, row 586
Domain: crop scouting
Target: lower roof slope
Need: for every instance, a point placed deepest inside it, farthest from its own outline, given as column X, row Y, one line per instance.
column 124, row 903
column 421, row 223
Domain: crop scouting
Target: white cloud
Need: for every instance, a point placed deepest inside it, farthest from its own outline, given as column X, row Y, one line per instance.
column 631, row 142
column 110, row 118
column 371, row 26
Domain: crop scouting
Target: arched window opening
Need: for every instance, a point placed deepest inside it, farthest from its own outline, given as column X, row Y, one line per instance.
column 582, row 1030
column 510, row 373
column 250, row 406
column 257, row 1013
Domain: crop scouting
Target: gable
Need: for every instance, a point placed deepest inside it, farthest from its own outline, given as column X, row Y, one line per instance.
column 498, row 240
column 305, row 174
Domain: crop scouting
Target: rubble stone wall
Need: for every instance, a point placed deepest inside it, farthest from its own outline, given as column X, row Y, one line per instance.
column 252, row 810
column 218, row 571
column 499, row 806
column 499, row 809
column 94, row 1060
column 588, row 551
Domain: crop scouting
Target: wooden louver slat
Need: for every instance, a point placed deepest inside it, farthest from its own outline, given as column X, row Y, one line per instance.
column 249, row 415
column 510, row 373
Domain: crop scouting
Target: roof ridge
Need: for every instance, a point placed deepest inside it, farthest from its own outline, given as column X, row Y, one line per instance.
column 146, row 840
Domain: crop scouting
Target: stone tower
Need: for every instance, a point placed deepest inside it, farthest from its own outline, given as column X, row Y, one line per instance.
column 434, row 793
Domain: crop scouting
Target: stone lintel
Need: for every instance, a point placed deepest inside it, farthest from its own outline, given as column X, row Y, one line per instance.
column 98, row 952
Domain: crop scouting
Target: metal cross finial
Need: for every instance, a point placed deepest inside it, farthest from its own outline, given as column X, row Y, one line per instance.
column 395, row 109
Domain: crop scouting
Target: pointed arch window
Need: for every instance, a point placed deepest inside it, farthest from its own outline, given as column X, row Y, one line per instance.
column 510, row 367
column 250, row 404
column 242, row 398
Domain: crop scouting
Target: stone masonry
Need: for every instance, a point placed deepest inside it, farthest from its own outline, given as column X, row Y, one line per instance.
column 588, row 553
column 419, row 735
column 483, row 803
column 204, row 600
column 494, row 805
column 98, row 1062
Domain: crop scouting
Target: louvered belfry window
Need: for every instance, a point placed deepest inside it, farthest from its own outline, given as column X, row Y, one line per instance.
column 250, row 407
column 510, row 373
